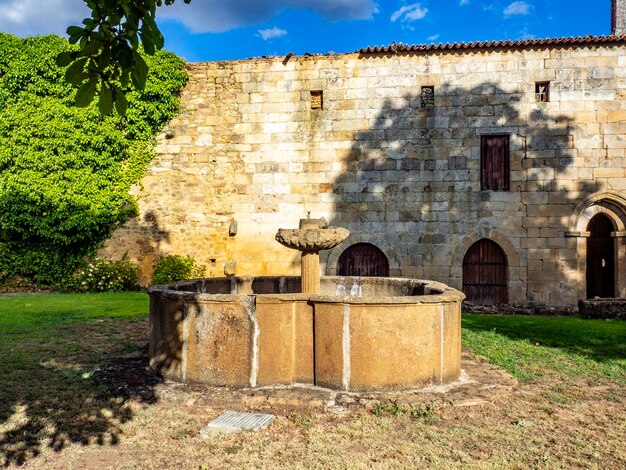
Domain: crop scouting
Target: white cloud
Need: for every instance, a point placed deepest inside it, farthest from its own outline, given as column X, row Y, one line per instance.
column 271, row 33
column 464, row 2
column 202, row 16
column 37, row 17
column 433, row 38
column 525, row 34
column 30, row 17
column 409, row 13
column 517, row 8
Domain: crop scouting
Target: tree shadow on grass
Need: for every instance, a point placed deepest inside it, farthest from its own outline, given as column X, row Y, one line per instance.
column 53, row 394
column 599, row 340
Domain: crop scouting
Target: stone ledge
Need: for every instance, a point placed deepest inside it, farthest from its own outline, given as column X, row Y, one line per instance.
column 480, row 382
column 603, row 308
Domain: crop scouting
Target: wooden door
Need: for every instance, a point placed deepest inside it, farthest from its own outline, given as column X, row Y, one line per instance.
column 363, row 259
column 484, row 273
column 495, row 171
column 600, row 257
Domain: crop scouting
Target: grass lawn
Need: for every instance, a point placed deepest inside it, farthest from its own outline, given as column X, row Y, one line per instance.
column 569, row 410
column 530, row 347
column 50, row 346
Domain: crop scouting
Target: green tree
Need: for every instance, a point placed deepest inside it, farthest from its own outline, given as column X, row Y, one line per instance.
column 108, row 56
column 65, row 172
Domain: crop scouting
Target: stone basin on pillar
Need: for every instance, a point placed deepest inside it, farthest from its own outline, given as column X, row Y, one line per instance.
column 312, row 236
column 345, row 333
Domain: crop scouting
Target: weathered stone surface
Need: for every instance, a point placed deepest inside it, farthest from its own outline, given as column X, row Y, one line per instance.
column 344, row 342
column 312, row 239
column 602, row 308
column 248, row 148
column 310, row 272
column 480, row 383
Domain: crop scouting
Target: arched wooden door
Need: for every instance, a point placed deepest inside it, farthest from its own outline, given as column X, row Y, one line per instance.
column 363, row 259
column 600, row 257
column 484, row 273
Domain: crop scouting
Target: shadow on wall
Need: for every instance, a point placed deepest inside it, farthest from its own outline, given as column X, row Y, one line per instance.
column 150, row 238
column 412, row 184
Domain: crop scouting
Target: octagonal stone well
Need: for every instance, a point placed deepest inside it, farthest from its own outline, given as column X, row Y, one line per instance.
column 358, row 334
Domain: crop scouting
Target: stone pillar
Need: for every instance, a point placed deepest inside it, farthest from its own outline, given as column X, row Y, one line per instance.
column 618, row 17
column 312, row 236
column 310, row 266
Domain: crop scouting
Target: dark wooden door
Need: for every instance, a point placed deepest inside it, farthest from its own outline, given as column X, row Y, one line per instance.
column 363, row 259
column 484, row 273
column 494, row 162
column 600, row 257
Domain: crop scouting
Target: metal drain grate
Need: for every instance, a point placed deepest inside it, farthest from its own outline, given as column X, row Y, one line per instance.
column 235, row 421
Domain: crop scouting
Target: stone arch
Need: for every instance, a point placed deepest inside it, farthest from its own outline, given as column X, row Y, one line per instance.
column 332, row 256
column 613, row 205
column 491, row 234
column 516, row 277
column 363, row 259
column 610, row 203
column 485, row 273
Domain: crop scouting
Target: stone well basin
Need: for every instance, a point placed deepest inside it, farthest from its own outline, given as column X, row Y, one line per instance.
column 360, row 334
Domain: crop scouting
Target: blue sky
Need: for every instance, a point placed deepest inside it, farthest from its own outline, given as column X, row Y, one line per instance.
column 208, row 30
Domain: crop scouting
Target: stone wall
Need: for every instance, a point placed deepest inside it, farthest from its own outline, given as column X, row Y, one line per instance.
column 618, row 17
column 247, row 153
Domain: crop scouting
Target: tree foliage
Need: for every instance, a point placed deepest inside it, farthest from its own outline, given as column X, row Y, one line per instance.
column 65, row 172
column 107, row 57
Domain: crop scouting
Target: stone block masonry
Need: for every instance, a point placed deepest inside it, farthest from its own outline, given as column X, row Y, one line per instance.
column 248, row 148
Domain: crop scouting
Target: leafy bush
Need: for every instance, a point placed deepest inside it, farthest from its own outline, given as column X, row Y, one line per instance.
column 100, row 275
column 174, row 268
column 65, row 172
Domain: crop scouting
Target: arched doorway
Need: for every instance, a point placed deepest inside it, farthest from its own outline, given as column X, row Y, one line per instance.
column 600, row 257
column 484, row 273
column 363, row 259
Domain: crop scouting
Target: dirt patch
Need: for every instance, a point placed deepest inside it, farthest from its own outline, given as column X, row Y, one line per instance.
column 130, row 377
column 486, row 420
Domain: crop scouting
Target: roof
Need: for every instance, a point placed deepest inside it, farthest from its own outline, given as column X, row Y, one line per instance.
column 507, row 44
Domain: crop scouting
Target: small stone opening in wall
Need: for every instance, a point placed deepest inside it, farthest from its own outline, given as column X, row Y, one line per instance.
column 317, row 99
column 542, row 92
column 212, row 261
column 428, row 97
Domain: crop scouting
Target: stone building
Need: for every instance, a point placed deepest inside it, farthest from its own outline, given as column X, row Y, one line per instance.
column 496, row 167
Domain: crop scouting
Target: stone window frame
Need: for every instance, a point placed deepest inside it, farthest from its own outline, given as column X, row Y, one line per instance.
column 427, row 96
column 317, row 99
column 542, row 95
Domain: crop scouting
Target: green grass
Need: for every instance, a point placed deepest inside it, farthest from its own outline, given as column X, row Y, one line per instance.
column 530, row 347
column 50, row 346
column 25, row 313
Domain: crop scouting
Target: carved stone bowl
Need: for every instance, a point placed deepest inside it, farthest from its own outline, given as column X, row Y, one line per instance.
column 312, row 239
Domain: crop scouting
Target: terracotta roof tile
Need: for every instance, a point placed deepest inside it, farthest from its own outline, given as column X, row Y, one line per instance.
column 506, row 44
